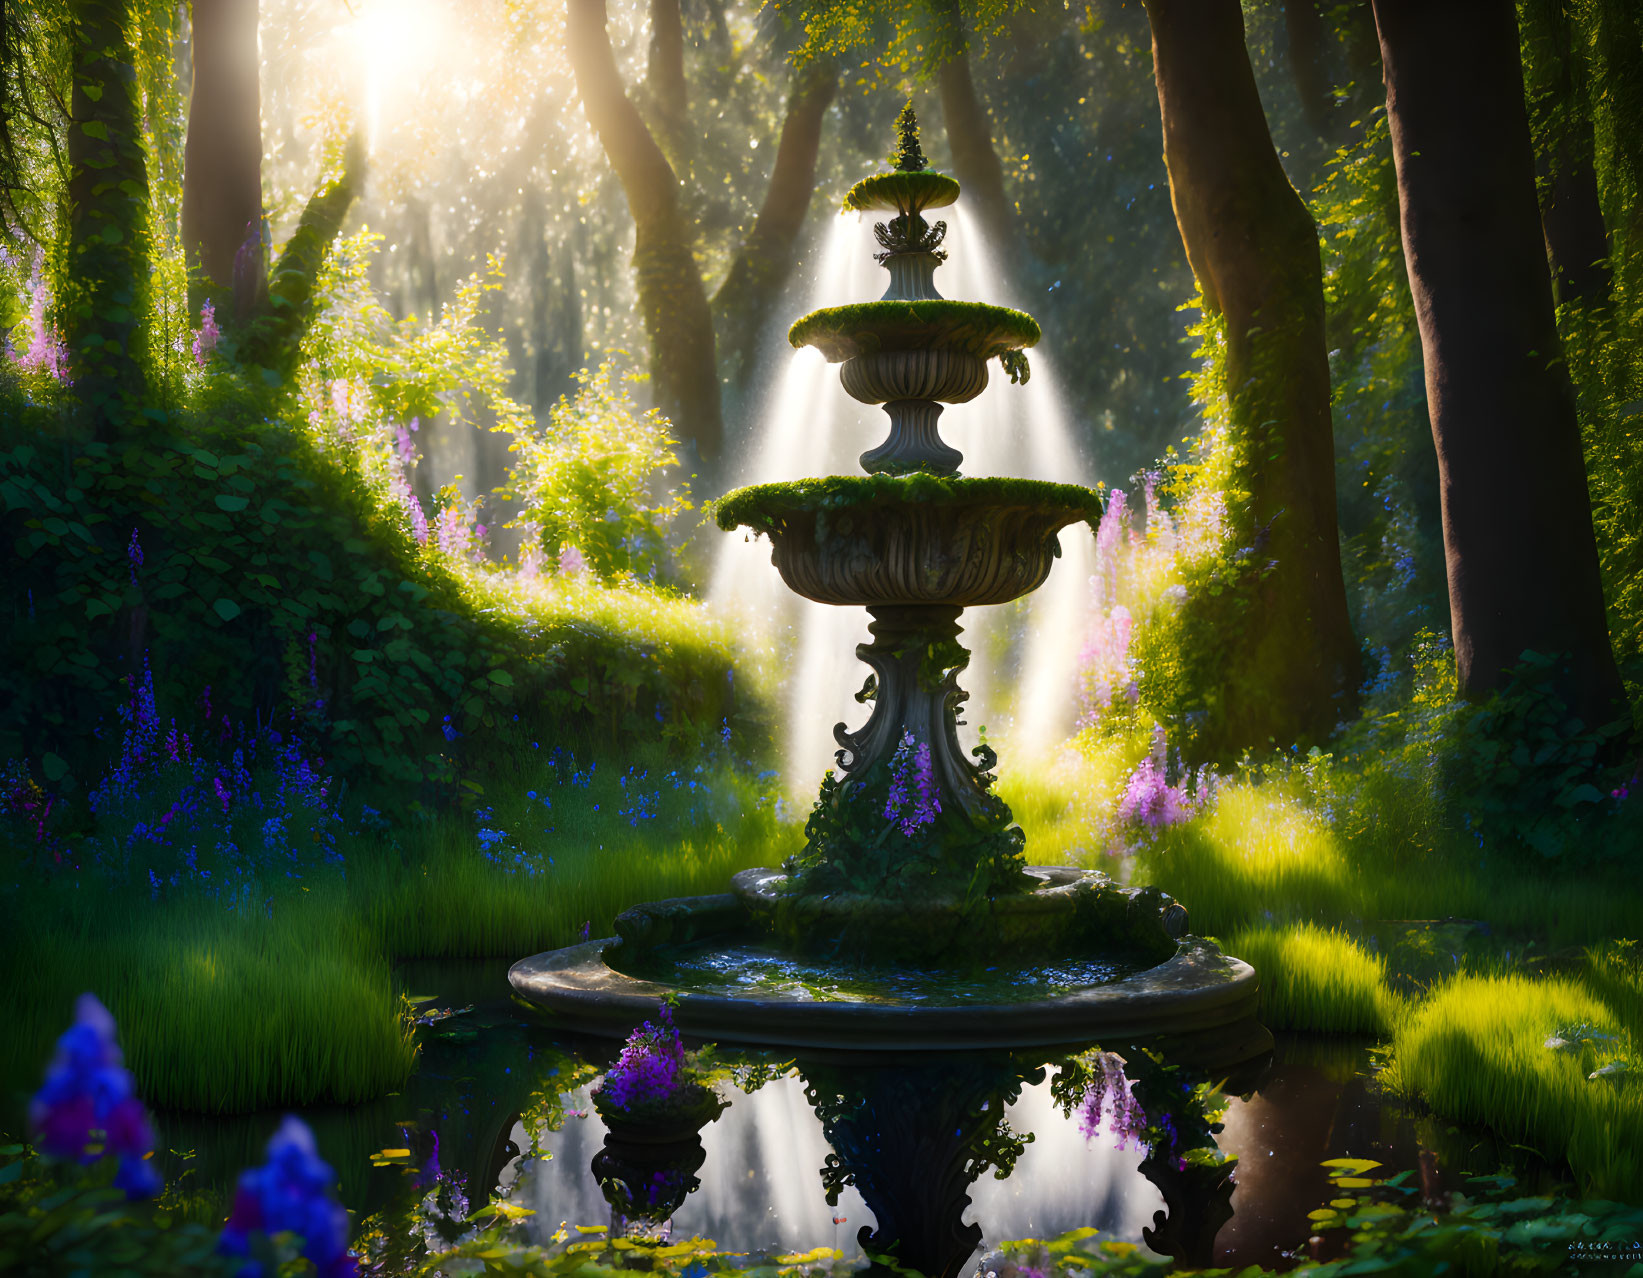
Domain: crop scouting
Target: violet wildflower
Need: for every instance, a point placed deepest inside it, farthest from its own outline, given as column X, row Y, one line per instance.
column 913, row 801
column 290, row 1193
column 530, row 562
column 1149, row 799
column 1108, row 1097
column 205, row 341
column 134, row 555
column 88, row 1107
column 649, row 1068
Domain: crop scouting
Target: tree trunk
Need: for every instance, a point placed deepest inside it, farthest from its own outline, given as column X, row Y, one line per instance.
column 665, row 77
column 102, row 298
column 272, row 339
column 1517, row 524
column 222, row 160
column 1304, row 27
column 1289, row 668
column 975, row 162
column 1577, row 242
column 672, row 301
column 744, row 302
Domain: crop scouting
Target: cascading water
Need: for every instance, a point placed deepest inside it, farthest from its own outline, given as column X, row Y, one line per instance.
column 1023, row 690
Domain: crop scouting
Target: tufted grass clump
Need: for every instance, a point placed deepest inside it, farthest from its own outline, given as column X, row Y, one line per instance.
column 288, row 1001
column 1317, row 979
column 1477, row 1050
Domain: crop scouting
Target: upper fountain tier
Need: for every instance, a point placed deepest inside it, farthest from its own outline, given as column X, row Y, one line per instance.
column 914, row 350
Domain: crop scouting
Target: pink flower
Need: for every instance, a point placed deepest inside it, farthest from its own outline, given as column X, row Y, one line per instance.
column 205, row 341
column 571, row 562
column 46, row 352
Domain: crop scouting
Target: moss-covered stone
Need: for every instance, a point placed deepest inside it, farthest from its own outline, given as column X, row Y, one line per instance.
column 761, row 507
column 901, row 192
column 843, row 332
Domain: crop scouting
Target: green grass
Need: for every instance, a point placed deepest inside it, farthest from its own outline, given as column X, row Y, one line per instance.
column 217, row 1010
column 1317, row 979
column 290, row 998
column 1262, row 854
column 1475, row 1050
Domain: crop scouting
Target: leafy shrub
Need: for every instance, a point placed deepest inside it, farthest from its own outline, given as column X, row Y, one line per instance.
column 590, row 482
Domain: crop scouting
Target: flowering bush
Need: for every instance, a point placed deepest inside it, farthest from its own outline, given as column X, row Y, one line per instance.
column 88, row 1107
column 289, row 1194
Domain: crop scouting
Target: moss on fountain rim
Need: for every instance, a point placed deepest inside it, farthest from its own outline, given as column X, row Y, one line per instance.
column 862, row 328
column 761, row 506
column 900, row 191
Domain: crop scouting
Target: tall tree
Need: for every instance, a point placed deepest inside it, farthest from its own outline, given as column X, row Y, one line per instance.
column 673, row 301
column 1289, row 669
column 1305, row 35
column 743, row 304
column 1517, row 524
column 1560, row 118
column 970, row 138
column 102, row 296
column 222, row 161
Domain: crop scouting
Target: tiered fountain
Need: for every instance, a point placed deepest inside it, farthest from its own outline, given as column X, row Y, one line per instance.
column 909, row 920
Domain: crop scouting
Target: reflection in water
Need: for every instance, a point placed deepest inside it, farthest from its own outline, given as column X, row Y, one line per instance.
column 912, row 1140
column 761, row 1189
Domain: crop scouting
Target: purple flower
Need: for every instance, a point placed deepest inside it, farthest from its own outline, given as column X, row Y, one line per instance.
column 89, row 1094
column 1150, row 800
column 205, row 341
column 914, row 801
column 1108, row 1097
column 134, row 555
column 648, row 1070
column 291, row 1193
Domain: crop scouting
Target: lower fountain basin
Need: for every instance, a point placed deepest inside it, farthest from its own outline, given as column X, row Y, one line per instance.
column 734, row 985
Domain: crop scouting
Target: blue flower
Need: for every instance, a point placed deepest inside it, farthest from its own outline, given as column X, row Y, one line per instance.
column 291, row 1193
column 88, row 1108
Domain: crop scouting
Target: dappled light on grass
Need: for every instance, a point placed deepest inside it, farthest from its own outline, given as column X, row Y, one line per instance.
column 1317, row 979
column 1519, row 1055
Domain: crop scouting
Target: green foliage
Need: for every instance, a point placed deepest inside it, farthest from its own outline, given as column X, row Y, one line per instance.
column 58, row 1218
column 1490, row 1230
column 908, row 157
column 762, row 507
column 588, row 481
column 977, row 328
column 1527, row 770
column 271, row 577
column 284, row 1000
column 852, row 846
column 236, row 991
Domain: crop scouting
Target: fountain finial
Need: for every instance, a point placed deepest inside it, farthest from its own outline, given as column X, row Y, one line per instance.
column 908, row 156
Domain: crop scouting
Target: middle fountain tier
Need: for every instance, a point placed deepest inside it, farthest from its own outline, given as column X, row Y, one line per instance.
column 909, row 918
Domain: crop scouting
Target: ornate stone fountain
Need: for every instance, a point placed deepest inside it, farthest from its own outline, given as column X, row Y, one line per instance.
column 909, row 919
